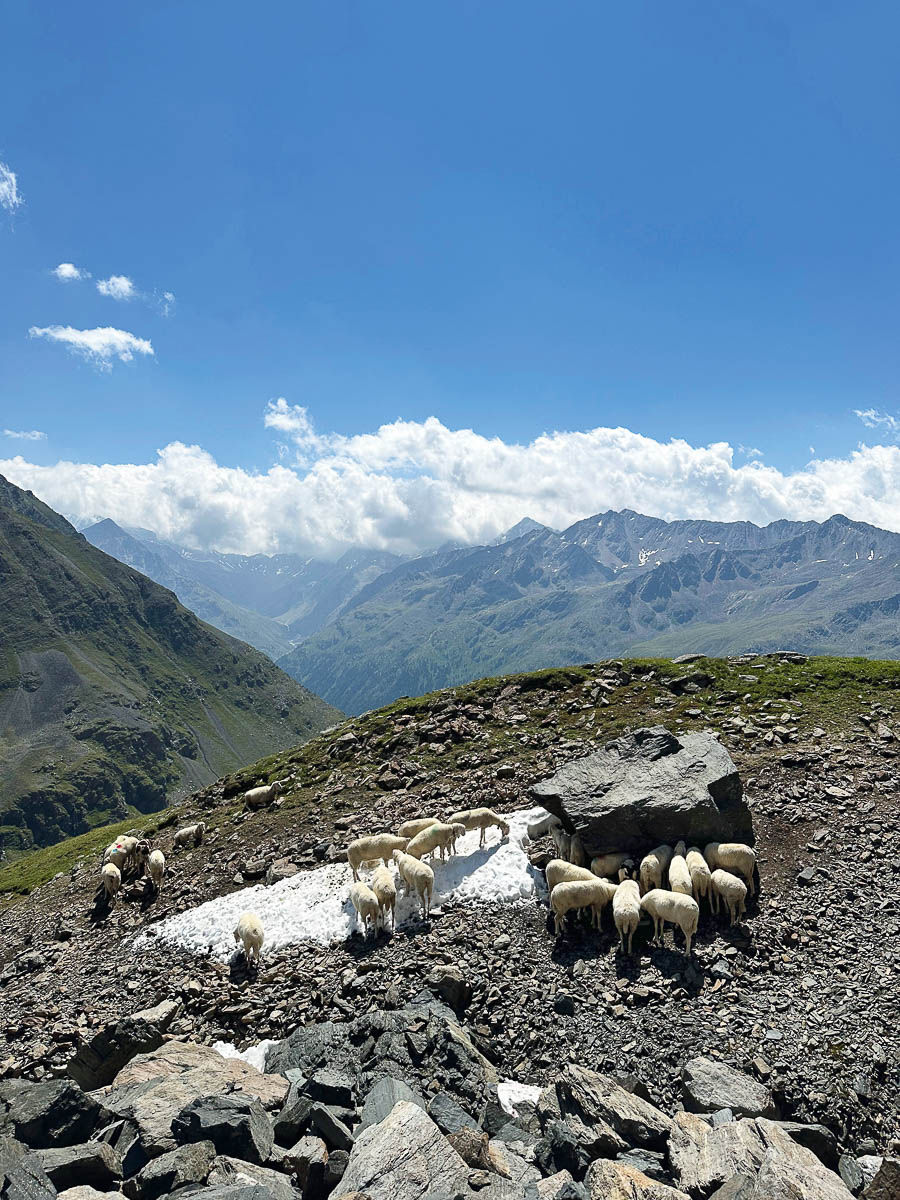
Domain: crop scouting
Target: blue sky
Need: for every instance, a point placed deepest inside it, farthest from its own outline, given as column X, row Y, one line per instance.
column 514, row 218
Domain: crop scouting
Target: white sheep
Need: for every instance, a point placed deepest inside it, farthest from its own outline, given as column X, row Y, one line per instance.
column 700, row 873
column 190, row 835
column 735, row 857
column 382, row 884
column 480, row 818
column 608, row 864
column 626, row 906
column 111, row 878
column 725, row 886
column 365, row 902
column 679, row 875
column 682, row 911
column 417, row 876
column 116, row 854
column 257, row 797
column 654, row 866
column 594, row 894
column 372, row 847
column 409, row 829
column 540, row 826
column 437, row 836
column 559, row 871
column 156, row 865
column 249, row 931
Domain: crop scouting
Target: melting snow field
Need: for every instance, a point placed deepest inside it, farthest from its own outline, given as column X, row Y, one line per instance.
column 315, row 905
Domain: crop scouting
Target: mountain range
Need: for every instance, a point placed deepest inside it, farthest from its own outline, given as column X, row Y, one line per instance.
column 373, row 626
column 113, row 696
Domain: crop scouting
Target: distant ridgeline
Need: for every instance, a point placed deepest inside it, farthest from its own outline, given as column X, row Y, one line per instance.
column 114, row 697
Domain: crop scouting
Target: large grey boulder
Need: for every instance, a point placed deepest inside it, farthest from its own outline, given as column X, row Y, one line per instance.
column 607, row 1180
column 648, row 787
column 404, row 1157
column 97, row 1062
column 710, row 1085
column 21, row 1175
column 789, row 1170
column 55, row 1113
column 93, row 1163
column 179, row 1168
column 232, row 1172
column 886, row 1184
column 236, row 1125
column 381, row 1099
column 596, row 1098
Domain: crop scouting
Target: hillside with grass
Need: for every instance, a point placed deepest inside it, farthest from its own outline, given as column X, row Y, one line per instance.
column 114, row 698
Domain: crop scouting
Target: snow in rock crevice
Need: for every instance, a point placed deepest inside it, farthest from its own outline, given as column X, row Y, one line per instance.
column 315, row 905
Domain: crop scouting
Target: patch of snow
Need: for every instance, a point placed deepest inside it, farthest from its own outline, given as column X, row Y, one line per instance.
column 315, row 905
column 510, row 1093
column 254, row 1056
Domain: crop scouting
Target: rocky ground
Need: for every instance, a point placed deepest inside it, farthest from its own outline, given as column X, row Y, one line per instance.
column 802, row 995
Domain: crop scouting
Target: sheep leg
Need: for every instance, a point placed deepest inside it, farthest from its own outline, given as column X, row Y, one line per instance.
column 751, row 887
column 687, row 944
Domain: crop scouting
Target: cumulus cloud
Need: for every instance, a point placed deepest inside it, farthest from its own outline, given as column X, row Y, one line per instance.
column 119, row 287
column 410, row 486
column 25, row 435
column 98, row 346
column 10, row 196
column 874, row 418
column 69, row 273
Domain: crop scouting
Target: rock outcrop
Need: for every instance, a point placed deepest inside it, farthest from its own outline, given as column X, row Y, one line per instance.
column 648, row 787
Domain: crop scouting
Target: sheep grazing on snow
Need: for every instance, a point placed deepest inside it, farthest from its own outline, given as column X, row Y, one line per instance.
column 626, row 906
column 699, row 869
column 680, row 910
column 654, row 866
column 373, row 847
column 727, row 887
column 409, row 829
column 437, row 836
column 594, row 894
column 679, row 875
column 111, row 878
column 417, row 876
column 249, row 932
column 190, row 835
column 259, row 797
column 480, row 818
column 607, row 865
column 558, row 871
column 382, row 884
column 156, row 865
column 365, row 902
column 734, row 857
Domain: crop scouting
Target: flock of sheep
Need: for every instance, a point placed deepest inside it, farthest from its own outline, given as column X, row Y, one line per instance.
column 667, row 884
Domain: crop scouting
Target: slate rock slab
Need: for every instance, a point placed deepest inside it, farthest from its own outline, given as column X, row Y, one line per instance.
column 93, row 1163
column 382, row 1097
column 647, row 787
column 607, row 1180
column 21, row 1175
column 597, row 1099
column 236, row 1125
column 56, row 1113
column 710, row 1085
column 97, row 1062
column 179, row 1168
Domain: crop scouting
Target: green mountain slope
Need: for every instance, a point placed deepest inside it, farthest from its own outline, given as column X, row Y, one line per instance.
column 114, row 697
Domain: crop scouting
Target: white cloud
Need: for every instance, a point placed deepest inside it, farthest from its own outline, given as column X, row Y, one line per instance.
column 10, row 196
column 68, row 273
column 25, row 435
column 874, row 418
column 166, row 303
column 119, row 287
column 410, row 486
column 99, row 346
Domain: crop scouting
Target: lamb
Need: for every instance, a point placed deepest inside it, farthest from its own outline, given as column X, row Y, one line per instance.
column 249, row 931
column 699, row 869
column 679, row 875
column 735, row 857
column 417, row 876
column 437, row 836
column 594, row 894
column 382, row 884
column 626, row 906
column 683, row 911
column 257, row 797
column 142, row 854
column 156, row 865
column 190, row 834
column 608, row 864
column 375, row 846
column 729, row 888
column 111, row 878
column 409, row 829
column 654, row 866
column 480, row 818
column 559, row 871
column 366, row 904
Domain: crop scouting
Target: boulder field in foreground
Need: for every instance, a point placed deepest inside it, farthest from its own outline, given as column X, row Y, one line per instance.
column 348, row 1119
column 649, row 787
